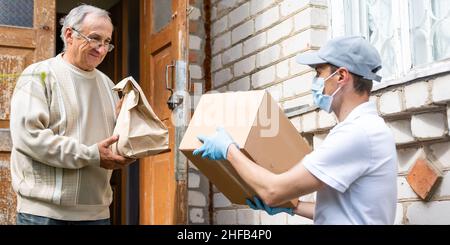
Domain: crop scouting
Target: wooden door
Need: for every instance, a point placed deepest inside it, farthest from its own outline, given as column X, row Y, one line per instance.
column 27, row 35
column 163, row 40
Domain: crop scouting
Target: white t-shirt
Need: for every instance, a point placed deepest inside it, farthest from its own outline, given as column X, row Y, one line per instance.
column 358, row 164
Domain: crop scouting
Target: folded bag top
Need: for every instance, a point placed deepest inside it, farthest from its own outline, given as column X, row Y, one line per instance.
column 141, row 132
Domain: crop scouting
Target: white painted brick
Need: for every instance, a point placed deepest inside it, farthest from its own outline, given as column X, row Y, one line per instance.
column 232, row 54
column 194, row 42
column 298, row 220
column 268, row 56
column 194, row 180
column 222, row 77
column 222, row 89
column 239, row 14
column 195, row 14
column 296, row 122
column 296, row 68
column 444, row 187
column 222, row 42
column 304, row 40
column 416, row 95
column 290, row 6
column 429, row 213
column 195, row 71
column 305, row 100
column 242, row 31
column 267, row 18
column 309, row 121
column 441, row 88
column 428, row 126
column 298, row 85
column 275, row 91
column 220, row 201
column 257, row 5
column 407, row 157
column 220, row 26
column 318, row 140
column 404, row 191
column 310, row 17
column 214, row 13
column 399, row 215
column 283, row 69
column 217, row 62
column 255, row 43
column 226, row 217
column 391, row 102
column 196, row 216
column 280, row 31
column 442, row 153
column 326, row 120
column 245, row 66
column 192, row 166
column 278, row 219
column 248, row 217
column 240, row 85
column 225, row 5
column 401, row 131
column 263, row 77
column 197, row 199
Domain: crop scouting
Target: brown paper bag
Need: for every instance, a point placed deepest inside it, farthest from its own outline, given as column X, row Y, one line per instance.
column 140, row 131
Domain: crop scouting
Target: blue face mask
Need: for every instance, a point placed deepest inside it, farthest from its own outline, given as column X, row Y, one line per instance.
column 323, row 101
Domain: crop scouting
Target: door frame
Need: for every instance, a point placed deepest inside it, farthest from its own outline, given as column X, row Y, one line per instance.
column 181, row 30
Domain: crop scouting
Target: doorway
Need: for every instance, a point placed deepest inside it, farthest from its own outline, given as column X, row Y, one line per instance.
column 118, row 64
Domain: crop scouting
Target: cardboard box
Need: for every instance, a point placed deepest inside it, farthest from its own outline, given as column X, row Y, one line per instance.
column 257, row 125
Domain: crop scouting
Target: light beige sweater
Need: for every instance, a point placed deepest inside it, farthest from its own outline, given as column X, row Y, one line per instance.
column 56, row 122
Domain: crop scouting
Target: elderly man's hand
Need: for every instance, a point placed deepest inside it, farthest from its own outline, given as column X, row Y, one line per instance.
column 108, row 159
column 216, row 146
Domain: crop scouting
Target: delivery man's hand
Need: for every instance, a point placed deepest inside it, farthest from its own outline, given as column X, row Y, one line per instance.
column 216, row 146
column 108, row 159
column 258, row 204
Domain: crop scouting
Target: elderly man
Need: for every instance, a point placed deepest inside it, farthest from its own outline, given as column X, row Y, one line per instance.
column 354, row 170
column 61, row 128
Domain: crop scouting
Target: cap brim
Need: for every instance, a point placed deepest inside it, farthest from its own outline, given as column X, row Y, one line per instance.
column 311, row 59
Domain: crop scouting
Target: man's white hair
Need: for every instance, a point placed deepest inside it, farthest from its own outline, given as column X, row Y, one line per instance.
column 76, row 16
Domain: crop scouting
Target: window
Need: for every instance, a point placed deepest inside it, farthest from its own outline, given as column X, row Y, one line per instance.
column 16, row 13
column 409, row 34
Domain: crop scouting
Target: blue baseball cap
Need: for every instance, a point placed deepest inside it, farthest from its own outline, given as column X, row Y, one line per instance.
column 354, row 53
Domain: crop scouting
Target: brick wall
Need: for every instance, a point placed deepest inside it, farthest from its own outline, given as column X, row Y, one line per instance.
column 254, row 43
column 198, row 185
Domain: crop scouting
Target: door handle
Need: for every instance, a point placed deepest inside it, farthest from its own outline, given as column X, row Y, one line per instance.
column 167, row 77
column 174, row 100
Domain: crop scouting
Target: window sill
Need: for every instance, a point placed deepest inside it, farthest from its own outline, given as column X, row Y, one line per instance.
column 424, row 71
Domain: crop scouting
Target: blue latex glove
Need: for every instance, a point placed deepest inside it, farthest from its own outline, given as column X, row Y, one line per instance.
column 258, row 204
column 216, row 146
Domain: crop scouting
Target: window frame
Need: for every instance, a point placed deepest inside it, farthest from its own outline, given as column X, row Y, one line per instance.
column 406, row 72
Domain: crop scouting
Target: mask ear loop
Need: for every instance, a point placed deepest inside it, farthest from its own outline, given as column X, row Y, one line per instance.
column 330, row 76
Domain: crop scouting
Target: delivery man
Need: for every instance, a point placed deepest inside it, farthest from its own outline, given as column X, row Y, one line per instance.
column 354, row 170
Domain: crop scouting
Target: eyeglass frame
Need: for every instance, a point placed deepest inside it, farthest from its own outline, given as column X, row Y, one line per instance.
column 92, row 40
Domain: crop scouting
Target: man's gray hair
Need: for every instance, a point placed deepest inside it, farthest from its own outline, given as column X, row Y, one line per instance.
column 76, row 16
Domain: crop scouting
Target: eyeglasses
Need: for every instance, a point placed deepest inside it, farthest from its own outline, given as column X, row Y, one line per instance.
column 95, row 43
